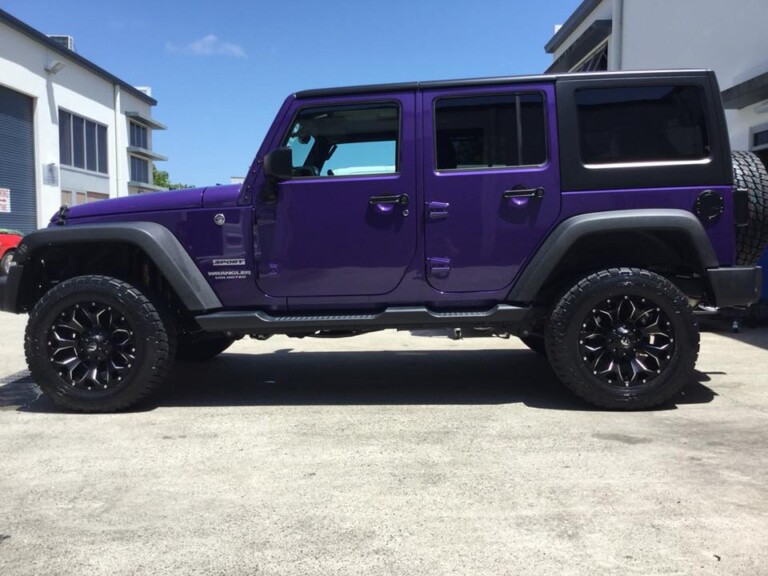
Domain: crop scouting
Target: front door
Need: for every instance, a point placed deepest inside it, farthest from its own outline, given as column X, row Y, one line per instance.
column 345, row 224
column 492, row 183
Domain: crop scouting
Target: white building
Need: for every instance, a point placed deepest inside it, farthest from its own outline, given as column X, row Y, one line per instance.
column 70, row 132
column 727, row 37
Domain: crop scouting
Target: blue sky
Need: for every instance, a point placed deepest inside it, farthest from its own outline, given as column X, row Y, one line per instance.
column 221, row 69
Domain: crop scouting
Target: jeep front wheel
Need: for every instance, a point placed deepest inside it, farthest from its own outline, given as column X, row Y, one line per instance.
column 97, row 344
column 623, row 338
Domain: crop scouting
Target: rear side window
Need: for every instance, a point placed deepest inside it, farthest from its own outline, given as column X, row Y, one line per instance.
column 642, row 124
column 490, row 131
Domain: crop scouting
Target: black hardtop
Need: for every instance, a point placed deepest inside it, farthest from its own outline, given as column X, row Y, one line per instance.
column 500, row 80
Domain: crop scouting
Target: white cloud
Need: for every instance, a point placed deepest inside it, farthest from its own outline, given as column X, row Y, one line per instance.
column 210, row 45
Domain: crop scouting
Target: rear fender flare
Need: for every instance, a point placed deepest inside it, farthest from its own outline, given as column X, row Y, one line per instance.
column 545, row 261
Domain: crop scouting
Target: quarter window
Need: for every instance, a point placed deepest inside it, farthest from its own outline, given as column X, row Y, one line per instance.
column 490, row 131
column 345, row 140
column 642, row 124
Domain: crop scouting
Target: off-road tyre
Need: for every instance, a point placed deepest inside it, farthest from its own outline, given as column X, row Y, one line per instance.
column 750, row 173
column 123, row 344
column 535, row 343
column 6, row 262
column 201, row 347
column 578, row 324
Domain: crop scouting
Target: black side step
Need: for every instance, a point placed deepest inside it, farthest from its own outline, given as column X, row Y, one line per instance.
column 406, row 317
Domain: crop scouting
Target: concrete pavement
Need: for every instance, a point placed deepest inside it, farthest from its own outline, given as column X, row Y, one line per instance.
column 387, row 454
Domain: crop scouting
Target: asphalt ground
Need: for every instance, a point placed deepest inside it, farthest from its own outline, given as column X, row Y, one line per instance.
column 387, row 454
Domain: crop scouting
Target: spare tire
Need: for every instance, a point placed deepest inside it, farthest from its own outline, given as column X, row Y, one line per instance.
column 749, row 173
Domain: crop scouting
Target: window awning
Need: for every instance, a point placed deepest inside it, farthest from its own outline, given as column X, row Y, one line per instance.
column 148, row 122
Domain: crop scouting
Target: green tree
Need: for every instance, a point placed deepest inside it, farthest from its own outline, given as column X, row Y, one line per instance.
column 161, row 178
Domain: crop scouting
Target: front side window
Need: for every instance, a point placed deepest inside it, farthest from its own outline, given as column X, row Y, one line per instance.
column 82, row 143
column 503, row 130
column 345, row 140
column 642, row 124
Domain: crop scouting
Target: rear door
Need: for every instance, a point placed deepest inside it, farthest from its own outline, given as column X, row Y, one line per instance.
column 491, row 180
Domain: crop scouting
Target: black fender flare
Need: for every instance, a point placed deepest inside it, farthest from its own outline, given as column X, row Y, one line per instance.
column 159, row 244
column 549, row 255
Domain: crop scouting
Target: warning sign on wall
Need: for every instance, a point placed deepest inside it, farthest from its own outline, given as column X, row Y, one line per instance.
column 5, row 200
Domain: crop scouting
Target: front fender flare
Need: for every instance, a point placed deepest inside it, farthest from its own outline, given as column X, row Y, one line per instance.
column 160, row 245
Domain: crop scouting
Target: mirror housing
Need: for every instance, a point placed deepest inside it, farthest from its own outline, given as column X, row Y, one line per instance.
column 278, row 164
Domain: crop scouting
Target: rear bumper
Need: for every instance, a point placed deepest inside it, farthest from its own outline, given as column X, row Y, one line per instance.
column 736, row 286
column 9, row 290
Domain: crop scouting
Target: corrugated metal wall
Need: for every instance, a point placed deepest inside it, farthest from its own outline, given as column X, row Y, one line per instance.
column 17, row 160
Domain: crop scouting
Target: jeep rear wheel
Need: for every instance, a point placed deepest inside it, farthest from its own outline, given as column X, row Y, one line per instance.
column 749, row 173
column 97, row 344
column 623, row 338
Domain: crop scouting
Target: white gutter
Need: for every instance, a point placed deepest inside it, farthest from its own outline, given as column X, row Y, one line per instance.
column 617, row 37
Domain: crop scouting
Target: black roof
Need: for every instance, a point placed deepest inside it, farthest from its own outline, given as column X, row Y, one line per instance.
column 492, row 81
column 38, row 36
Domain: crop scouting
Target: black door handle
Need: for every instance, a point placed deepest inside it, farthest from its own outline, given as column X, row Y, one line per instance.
column 524, row 193
column 401, row 199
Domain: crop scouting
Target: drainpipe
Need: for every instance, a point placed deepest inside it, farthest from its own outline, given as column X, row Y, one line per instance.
column 116, row 155
column 617, row 36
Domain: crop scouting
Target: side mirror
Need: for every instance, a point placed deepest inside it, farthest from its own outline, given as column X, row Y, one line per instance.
column 278, row 164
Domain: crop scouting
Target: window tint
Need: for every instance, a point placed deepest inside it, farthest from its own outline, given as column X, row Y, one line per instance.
column 641, row 124
column 490, row 131
column 345, row 140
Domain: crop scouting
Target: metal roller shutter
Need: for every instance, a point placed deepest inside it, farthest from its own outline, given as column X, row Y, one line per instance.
column 17, row 160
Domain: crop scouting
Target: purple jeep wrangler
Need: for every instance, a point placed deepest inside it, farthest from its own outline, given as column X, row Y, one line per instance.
column 585, row 214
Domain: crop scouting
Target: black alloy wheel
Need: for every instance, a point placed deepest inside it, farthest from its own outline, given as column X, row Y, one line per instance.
column 623, row 338
column 626, row 341
column 92, row 346
column 98, row 344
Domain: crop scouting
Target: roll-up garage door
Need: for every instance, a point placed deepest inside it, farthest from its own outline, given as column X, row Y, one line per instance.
column 18, row 207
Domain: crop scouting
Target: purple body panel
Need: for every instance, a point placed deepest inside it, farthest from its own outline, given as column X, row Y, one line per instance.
column 480, row 240
column 171, row 200
column 323, row 246
column 720, row 233
column 221, row 196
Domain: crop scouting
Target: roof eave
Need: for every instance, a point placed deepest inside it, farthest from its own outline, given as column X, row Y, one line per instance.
column 38, row 36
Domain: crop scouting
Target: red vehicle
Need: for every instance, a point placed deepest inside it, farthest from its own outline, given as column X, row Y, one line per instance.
column 9, row 239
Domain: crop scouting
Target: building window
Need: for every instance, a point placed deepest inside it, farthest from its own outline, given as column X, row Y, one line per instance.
column 642, row 124
column 139, row 170
column 138, row 136
column 82, row 143
column 345, row 140
column 72, row 198
column 760, row 140
column 490, row 131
